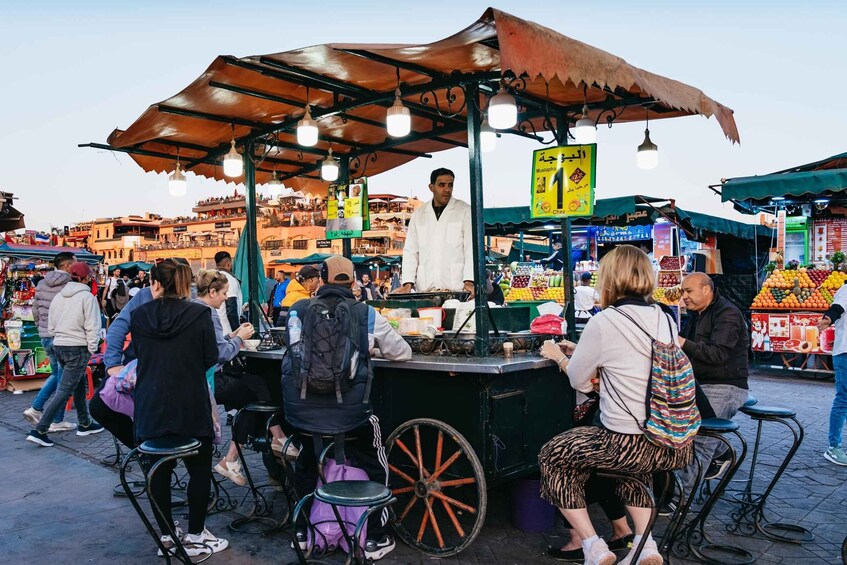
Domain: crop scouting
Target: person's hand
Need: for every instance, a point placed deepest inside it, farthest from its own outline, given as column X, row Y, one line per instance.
column 567, row 347
column 469, row 287
column 823, row 323
column 551, row 350
column 595, row 384
column 403, row 289
column 245, row 331
column 112, row 371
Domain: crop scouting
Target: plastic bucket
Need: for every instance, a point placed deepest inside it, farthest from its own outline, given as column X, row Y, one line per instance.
column 529, row 512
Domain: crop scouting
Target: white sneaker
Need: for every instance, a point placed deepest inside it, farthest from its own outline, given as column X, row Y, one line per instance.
column 599, row 554
column 168, row 541
column 61, row 427
column 232, row 471
column 32, row 415
column 291, row 452
column 649, row 555
column 203, row 542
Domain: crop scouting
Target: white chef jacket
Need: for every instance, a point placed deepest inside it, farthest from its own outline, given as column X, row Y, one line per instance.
column 839, row 346
column 438, row 253
column 234, row 291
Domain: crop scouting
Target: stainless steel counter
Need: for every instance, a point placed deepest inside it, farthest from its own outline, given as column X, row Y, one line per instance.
column 447, row 364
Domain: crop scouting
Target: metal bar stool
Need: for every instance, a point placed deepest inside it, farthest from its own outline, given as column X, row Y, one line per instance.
column 750, row 517
column 374, row 496
column 654, row 508
column 693, row 539
column 165, row 449
column 261, row 510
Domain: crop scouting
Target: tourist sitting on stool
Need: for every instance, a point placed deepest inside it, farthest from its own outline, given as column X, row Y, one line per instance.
column 716, row 341
column 350, row 414
column 175, row 342
column 615, row 349
column 234, row 390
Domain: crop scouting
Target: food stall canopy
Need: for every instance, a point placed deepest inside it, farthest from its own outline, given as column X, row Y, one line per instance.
column 316, row 258
column 259, row 100
column 132, row 266
column 822, row 179
column 713, row 224
column 45, row 252
column 505, row 221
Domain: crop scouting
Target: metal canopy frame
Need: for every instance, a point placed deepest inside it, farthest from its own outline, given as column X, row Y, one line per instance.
column 451, row 104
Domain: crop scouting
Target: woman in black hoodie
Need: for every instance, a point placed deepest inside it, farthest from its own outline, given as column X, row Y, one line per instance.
column 175, row 344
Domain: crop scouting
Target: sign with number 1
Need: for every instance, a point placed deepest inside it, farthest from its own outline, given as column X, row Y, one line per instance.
column 563, row 180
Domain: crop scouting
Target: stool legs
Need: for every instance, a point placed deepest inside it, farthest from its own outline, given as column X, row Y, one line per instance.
column 696, row 540
column 752, row 510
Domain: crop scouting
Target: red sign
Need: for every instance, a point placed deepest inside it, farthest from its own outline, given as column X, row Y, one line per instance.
column 790, row 333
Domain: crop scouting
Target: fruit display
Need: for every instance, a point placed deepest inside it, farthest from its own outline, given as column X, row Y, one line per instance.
column 520, row 281
column 670, row 263
column 834, row 281
column 789, row 279
column 668, row 279
column 518, row 294
column 556, row 293
column 800, row 289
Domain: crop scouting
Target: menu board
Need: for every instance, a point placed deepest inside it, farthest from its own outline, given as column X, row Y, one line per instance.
column 663, row 240
column 347, row 210
column 790, row 333
column 828, row 236
column 563, row 180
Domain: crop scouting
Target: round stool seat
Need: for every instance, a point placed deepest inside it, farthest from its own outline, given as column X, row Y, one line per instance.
column 719, row 425
column 768, row 411
column 751, row 401
column 169, row 445
column 353, row 493
column 261, row 407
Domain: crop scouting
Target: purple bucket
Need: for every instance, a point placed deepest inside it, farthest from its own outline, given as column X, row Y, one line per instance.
column 529, row 512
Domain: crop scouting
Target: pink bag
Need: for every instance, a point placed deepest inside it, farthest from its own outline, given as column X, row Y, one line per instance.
column 120, row 402
column 328, row 533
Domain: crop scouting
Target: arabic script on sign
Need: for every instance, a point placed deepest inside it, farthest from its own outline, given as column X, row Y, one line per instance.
column 563, row 180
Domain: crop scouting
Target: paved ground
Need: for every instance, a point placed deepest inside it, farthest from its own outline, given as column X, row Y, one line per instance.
column 56, row 505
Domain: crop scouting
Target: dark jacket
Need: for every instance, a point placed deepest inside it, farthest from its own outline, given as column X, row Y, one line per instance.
column 175, row 344
column 323, row 413
column 48, row 288
column 716, row 341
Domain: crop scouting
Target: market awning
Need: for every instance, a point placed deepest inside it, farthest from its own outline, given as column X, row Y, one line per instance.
column 130, row 265
column 713, row 224
column 260, row 99
column 45, row 252
column 504, row 221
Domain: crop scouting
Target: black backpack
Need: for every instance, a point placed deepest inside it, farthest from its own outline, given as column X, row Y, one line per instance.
column 120, row 296
column 331, row 356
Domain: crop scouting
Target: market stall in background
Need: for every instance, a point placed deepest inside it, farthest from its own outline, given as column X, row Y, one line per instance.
column 21, row 267
column 805, row 266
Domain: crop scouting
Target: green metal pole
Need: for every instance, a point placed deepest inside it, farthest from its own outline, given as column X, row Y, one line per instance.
column 567, row 243
column 252, row 235
column 344, row 178
column 477, row 224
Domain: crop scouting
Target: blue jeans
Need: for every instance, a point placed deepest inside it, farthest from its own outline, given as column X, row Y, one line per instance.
column 52, row 382
column 74, row 360
column 838, row 414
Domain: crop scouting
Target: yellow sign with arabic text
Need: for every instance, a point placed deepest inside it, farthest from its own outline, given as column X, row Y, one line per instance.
column 563, row 180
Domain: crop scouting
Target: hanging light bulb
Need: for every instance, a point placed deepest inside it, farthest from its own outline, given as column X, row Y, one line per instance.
column 329, row 167
column 487, row 137
column 502, row 110
column 177, row 184
column 648, row 153
column 398, row 119
column 307, row 130
column 585, row 131
column 233, row 164
column 275, row 187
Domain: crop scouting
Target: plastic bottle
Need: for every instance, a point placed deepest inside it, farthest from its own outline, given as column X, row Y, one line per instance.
column 295, row 328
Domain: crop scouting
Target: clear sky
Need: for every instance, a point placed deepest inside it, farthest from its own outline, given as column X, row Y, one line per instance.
column 74, row 70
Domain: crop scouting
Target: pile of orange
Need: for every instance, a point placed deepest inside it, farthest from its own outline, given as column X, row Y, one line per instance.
column 788, row 279
column 815, row 302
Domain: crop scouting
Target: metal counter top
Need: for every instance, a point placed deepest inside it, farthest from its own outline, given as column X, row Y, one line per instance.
column 448, row 364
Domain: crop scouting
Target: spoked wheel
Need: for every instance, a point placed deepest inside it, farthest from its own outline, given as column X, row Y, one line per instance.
column 439, row 485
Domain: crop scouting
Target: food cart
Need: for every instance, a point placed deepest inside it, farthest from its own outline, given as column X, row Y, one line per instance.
column 806, row 205
column 470, row 418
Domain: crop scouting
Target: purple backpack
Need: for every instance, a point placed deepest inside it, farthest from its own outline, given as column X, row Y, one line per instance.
column 327, row 531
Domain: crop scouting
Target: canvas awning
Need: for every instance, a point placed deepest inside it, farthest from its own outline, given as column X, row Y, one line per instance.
column 259, row 99
column 822, row 179
column 45, row 252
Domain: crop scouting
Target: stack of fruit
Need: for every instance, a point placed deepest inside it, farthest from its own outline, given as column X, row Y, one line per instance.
column 814, row 301
column 520, row 281
column 518, row 294
column 834, row 281
column 556, row 293
column 667, row 280
column 817, row 275
column 826, row 295
column 789, row 279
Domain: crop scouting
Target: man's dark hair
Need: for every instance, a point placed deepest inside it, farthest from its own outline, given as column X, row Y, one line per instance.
column 433, row 176
column 62, row 259
column 221, row 255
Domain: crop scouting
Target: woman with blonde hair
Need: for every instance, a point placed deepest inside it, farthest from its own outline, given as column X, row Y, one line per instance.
column 233, row 388
column 615, row 350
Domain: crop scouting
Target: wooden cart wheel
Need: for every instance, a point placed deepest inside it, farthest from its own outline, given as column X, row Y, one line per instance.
column 440, row 487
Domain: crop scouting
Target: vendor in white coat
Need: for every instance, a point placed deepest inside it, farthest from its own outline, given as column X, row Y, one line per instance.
column 438, row 254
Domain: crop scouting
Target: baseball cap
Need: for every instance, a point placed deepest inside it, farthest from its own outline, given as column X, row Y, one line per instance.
column 586, row 276
column 308, row 272
column 80, row 270
column 337, row 270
